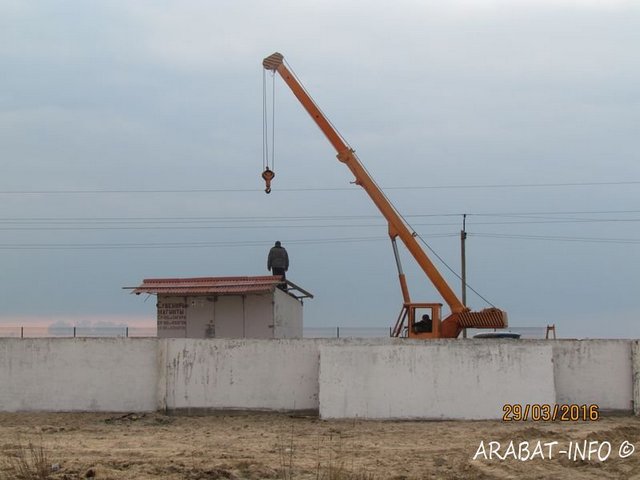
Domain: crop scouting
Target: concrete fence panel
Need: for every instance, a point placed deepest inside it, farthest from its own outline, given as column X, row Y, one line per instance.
column 594, row 372
column 635, row 355
column 78, row 374
column 342, row 378
column 436, row 380
column 241, row 374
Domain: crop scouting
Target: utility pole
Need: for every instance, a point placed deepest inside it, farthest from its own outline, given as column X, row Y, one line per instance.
column 463, row 258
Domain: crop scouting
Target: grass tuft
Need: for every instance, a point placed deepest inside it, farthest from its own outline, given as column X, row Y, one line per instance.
column 285, row 455
column 26, row 462
column 333, row 469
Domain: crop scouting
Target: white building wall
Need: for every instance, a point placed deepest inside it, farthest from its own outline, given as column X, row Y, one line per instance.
column 229, row 316
column 171, row 316
column 78, row 374
column 200, row 314
column 436, row 380
column 272, row 315
column 594, row 372
column 287, row 312
column 258, row 316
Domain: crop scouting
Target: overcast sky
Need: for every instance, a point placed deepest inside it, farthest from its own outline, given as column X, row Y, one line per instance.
column 131, row 138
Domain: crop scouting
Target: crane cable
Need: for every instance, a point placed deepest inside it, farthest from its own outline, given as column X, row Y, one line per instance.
column 326, row 117
column 268, row 173
column 419, row 237
column 451, row 269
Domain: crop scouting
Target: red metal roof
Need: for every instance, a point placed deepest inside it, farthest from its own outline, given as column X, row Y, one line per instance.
column 209, row 285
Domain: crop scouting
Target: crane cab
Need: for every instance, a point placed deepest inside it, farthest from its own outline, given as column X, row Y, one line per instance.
column 423, row 320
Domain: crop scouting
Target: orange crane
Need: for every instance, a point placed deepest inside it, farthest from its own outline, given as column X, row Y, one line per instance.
column 406, row 325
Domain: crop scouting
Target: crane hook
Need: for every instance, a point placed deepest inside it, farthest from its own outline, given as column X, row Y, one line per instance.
column 268, row 176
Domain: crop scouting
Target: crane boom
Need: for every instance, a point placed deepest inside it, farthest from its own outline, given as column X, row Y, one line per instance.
column 397, row 226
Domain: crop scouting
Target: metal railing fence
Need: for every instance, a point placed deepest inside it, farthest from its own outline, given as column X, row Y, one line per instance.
column 76, row 331
column 127, row 332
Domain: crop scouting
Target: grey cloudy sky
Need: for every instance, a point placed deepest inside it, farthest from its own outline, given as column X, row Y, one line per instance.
column 166, row 95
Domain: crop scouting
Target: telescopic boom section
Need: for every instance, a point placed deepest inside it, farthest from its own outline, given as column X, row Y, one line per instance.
column 397, row 226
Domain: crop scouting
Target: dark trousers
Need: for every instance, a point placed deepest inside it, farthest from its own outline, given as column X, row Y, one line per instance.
column 279, row 271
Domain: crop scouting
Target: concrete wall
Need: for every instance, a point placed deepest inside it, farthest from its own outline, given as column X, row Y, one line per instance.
column 78, row 374
column 635, row 359
column 342, row 378
column 435, row 380
column 594, row 372
column 242, row 374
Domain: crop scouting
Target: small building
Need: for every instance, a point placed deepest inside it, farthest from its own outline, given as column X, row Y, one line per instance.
column 227, row 307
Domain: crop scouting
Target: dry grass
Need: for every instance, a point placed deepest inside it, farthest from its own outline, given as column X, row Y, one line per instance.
column 25, row 462
column 333, row 468
column 286, row 457
column 332, row 472
column 257, row 446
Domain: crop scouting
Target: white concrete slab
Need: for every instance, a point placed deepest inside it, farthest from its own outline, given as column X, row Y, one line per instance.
column 635, row 355
column 242, row 374
column 343, row 378
column 455, row 379
column 594, row 372
column 78, row 374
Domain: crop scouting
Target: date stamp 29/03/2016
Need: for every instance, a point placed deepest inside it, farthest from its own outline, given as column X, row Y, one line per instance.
column 547, row 412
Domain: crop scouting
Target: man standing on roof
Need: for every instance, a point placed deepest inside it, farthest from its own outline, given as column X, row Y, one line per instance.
column 278, row 260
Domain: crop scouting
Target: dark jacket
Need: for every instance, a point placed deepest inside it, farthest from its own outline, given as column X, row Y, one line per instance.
column 278, row 258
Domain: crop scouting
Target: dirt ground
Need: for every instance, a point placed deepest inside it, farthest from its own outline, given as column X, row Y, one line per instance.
column 279, row 446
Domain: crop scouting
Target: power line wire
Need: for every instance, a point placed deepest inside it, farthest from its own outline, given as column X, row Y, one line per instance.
column 453, row 271
column 558, row 238
column 309, row 189
column 150, row 245
column 195, row 226
column 307, row 217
